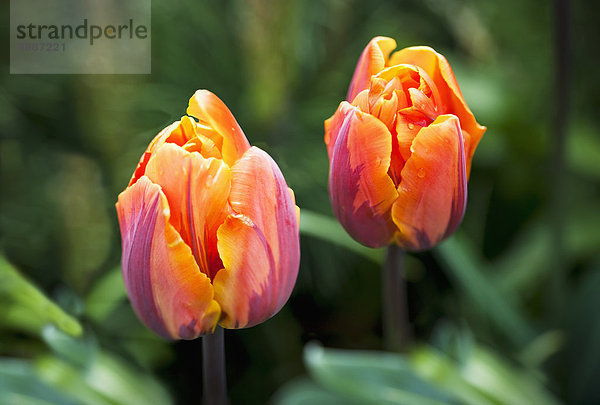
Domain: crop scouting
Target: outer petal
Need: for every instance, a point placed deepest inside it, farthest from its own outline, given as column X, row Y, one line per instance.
column 211, row 111
column 259, row 245
column 334, row 124
column 167, row 290
column 438, row 68
column 433, row 192
column 372, row 60
column 360, row 188
column 197, row 190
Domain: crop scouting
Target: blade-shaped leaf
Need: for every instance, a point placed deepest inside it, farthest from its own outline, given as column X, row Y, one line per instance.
column 306, row 392
column 482, row 378
column 106, row 294
column 20, row 385
column 372, row 377
column 467, row 271
column 328, row 229
column 25, row 307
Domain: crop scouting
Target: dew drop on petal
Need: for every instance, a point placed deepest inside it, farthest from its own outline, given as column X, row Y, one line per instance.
column 421, row 172
column 411, row 126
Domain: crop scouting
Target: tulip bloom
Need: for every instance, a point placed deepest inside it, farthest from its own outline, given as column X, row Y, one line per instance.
column 400, row 148
column 209, row 228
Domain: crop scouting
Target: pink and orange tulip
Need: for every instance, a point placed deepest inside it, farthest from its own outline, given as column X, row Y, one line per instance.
column 209, row 228
column 400, row 148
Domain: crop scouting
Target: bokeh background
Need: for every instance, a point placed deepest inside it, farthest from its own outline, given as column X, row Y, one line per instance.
column 505, row 312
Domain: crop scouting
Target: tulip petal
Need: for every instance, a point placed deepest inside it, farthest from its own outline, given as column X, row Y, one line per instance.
column 438, row 68
column 196, row 189
column 167, row 290
column 202, row 139
column 433, row 192
column 211, row 111
column 259, row 244
column 335, row 122
column 245, row 287
column 373, row 59
column 406, row 131
column 157, row 142
column 296, row 208
column 360, row 188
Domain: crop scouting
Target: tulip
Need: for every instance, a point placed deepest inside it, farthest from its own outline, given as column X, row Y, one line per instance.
column 400, row 149
column 209, row 228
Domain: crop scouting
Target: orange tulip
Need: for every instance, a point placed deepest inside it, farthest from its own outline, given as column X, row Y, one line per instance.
column 209, row 228
column 400, row 148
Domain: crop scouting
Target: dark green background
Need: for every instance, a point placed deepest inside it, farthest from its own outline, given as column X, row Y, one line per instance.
column 69, row 143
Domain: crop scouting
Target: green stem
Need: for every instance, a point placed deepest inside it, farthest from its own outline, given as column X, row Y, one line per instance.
column 213, row 369
column 397, row 333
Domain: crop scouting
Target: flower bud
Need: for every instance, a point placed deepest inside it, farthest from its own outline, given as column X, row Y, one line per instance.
column 209, row 228
column 400, row 149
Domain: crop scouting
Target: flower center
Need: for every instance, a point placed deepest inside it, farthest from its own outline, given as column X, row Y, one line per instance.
column 405, row 99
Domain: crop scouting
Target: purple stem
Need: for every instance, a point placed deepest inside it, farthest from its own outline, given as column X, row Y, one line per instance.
column 213, row 369
column 397, row 333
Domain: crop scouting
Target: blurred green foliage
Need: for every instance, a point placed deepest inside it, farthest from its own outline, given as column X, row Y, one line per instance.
column 425, row 377
column 481, row 303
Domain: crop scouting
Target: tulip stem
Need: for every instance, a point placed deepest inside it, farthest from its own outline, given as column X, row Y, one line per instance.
column 397, row 333
column 213, row 369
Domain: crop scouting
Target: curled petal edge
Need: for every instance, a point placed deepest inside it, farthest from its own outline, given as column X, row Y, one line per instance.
column 166, row 288
column 372, row 60
column 438, row 68
column 432, row 195
column 211, row 111
column 258, row 279
column 360, row 188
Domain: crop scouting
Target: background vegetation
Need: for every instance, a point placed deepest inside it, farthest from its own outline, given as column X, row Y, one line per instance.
column 505, row 312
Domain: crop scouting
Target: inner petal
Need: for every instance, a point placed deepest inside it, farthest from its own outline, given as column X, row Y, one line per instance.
column 174, row 133
column 197, row 190
column 423, row 104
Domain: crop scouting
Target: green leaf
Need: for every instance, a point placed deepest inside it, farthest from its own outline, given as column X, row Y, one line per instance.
column 524, row 263
column 20, row 385
column 443, row 372
column 481, row 379
column 107, row 380
column 83, row 370
column 582, row 236
column 423, row 376
column 583, row 150
column 69, row 379
column 509, row 385
column 542, row 348
column 328, row 229
column 371, row 377
column 456, row 340
column 467, row 270
column 25, row 307
column 106, row 295
column 81, row 351
column 306, row 392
